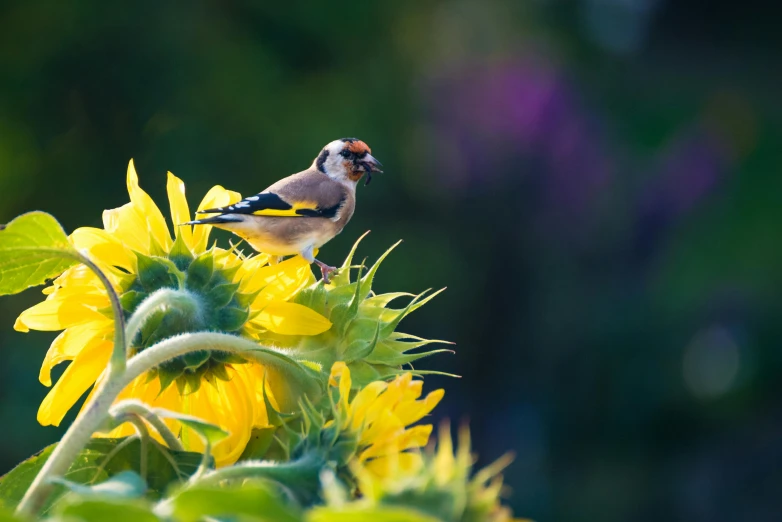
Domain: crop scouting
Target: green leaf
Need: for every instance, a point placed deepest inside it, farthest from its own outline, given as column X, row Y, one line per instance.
column 209, row 432
column 127, row 484
column 260, row 441
column 253, row 499
column 100, row 460
column 102, row 510
column 376, row 514
column 33, row 248
column 8, row 516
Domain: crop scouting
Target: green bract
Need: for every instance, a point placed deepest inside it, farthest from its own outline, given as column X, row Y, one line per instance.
column 364, row 333
column 216, row 305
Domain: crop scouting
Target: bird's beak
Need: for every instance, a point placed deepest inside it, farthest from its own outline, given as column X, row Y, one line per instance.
column 370, row 164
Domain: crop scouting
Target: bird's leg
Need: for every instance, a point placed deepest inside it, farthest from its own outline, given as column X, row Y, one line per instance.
column 325, row 270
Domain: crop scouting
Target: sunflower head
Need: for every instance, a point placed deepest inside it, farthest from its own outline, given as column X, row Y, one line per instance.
column 226, row 291
column 370, row 428
column 363, row 335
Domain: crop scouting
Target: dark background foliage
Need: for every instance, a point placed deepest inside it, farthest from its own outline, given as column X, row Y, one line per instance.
column 597, row 182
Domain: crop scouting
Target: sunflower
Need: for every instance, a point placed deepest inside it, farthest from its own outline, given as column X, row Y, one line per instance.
column 239, row 295
column 441, row 484
column 379, row 416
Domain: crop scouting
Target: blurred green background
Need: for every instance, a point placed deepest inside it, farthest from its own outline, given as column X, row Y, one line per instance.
column 597, row 182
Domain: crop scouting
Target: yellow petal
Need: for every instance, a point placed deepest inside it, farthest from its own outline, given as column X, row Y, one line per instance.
column 340, row 376
column 415, row 437
column 180, row 212
column 78, row 376
column 102, row 247
column 394, row 465
column 384, row 424
column 413, row 411
column 128, row 226
column 281, row 281
column 363, row 401
column 216, row 197
column 58, row 314
column 291, row 319
column 69, row 344
column 144, row 205
column 230, row 405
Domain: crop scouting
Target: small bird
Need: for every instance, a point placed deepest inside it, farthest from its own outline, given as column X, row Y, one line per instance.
column 304, row 211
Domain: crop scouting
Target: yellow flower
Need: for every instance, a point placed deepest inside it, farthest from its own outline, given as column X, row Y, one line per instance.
column 380, row 414
column 240, row 295
column 439, row 484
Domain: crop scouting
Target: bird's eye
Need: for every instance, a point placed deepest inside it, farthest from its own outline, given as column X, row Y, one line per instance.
column 345, row 153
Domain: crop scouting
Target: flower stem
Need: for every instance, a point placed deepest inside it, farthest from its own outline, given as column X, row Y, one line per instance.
column 117, row 364
column 143, row 434
column 141, row 410
column 93, row 417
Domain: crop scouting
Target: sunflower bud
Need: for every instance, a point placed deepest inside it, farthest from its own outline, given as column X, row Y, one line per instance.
column 363, row 332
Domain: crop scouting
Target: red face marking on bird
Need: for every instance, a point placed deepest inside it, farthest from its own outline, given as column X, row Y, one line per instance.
column 358, row 147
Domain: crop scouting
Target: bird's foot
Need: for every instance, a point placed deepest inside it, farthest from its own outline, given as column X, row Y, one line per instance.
column 326, row 270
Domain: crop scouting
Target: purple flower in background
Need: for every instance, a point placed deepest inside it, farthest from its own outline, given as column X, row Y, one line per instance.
column 495, row 122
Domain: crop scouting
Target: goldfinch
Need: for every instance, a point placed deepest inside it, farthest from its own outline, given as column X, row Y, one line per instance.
column 304, row 211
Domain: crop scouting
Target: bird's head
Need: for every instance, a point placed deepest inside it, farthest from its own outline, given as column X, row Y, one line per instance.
column 347, row 160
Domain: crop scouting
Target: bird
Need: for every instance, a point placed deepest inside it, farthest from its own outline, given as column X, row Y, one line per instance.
column 304, row 211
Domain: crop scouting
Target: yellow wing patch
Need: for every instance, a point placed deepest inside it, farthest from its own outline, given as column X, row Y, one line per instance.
column 291, row 212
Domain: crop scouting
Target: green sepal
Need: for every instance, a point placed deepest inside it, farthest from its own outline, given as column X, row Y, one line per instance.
column 156, row 272
column 228, row 357
column 195, row 360
column 167, row 377
column 368, row 279
column 188, row 382
column 131, row 299
column 245, row 299
column 229, row 273
column 362, row 373
column 313, row 297
column 200, row 271
column 231, row 318
column 219, row 372
column 343, row 277
column 155, row 248
column 361, row 348
column 180, row 254
column 220, row 295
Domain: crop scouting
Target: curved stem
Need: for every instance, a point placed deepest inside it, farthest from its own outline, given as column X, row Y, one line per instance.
column 141, row 410
column 143, row 434
column 96, row 412
column 118, row 354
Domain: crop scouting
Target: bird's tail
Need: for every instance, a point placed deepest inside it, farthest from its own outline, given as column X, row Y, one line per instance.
column 214, row 220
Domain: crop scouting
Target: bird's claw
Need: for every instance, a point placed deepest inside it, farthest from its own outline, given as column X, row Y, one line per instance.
column 326, row 271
